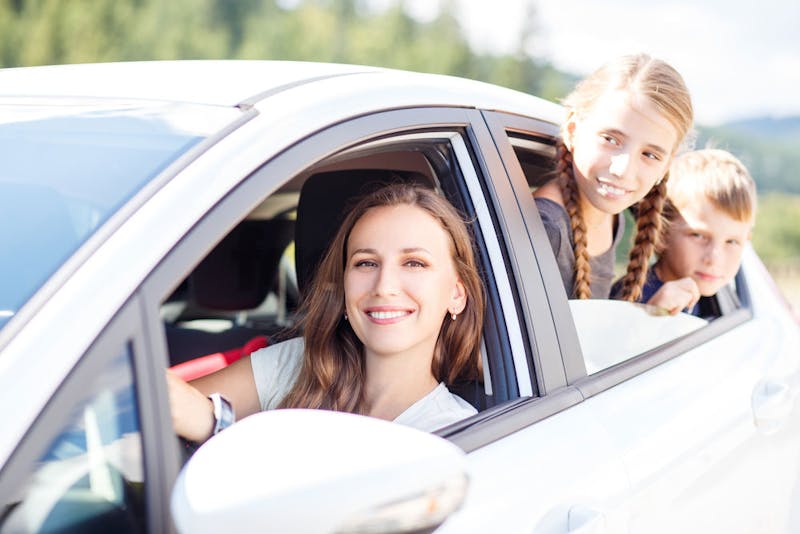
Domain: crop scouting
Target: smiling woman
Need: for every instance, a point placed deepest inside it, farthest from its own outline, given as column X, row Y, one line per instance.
column 392, row 315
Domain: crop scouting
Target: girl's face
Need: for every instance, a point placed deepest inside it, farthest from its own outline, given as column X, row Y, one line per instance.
column 400, row 280
column 620, row 149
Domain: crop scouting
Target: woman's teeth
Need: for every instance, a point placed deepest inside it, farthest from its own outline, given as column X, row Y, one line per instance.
column 386, row 314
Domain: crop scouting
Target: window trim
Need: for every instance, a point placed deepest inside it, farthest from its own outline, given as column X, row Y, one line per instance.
column 555, row 337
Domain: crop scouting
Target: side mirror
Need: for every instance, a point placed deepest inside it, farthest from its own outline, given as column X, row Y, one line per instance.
column 319, row 471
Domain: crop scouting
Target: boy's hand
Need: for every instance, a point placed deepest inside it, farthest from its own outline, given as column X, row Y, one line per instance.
column 676, row 295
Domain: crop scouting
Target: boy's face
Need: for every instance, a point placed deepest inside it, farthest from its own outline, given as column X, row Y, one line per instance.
column 703, row 242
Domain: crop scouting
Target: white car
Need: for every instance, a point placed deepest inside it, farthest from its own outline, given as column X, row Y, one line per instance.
column 168, row 214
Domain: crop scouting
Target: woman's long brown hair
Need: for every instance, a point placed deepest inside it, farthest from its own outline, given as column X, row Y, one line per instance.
column 664, row 87
column 333, row 373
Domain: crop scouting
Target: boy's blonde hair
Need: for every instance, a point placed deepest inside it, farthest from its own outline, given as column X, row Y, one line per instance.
column 714, row 175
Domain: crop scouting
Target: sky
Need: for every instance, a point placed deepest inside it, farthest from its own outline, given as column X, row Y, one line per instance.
column 739, row 58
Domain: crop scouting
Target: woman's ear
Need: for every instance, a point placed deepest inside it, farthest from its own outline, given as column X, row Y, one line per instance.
column 458, row 301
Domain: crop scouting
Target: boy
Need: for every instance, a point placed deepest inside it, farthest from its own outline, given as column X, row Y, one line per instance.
column 710, row 213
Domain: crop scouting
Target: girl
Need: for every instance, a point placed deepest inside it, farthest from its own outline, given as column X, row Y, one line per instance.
column 395, row 311
column 624, row 124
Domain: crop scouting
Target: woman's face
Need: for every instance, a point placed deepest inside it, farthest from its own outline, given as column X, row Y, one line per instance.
column 620, row 149
column 400, row 280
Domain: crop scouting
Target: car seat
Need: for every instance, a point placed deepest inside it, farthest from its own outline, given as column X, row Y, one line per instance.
column 235, row 276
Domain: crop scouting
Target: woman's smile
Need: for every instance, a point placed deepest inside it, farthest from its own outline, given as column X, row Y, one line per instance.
column 387, row 315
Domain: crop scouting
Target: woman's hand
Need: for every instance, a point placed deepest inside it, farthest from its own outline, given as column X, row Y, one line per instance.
column 192, row 412
column 676, row 295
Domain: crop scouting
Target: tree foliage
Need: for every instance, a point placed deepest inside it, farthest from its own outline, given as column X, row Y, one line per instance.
column 43, row 32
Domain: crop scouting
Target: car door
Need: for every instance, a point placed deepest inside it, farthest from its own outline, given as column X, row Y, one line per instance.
column 680, row 405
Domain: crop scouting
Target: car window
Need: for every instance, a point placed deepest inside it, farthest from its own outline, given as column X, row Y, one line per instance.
column 91, row 477
column 244, row 293
column 613, row 331
column 67, row 168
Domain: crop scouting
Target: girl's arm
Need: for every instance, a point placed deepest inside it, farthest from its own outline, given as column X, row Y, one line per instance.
column 192, row 411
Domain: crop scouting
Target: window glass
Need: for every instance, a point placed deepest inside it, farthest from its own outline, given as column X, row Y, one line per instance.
column 91, row 478
column 67, row 168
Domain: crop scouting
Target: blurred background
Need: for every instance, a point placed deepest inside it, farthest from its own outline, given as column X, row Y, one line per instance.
column 741, row 60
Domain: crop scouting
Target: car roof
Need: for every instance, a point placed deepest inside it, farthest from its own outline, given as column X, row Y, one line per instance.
column 247, row 82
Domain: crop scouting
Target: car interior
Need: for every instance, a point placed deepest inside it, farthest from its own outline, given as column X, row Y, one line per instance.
column 244, row 294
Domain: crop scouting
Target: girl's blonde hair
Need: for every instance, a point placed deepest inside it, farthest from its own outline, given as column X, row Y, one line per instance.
column 664, row 87
column 333, row 373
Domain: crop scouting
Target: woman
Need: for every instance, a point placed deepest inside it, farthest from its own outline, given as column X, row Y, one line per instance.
column 393, row 314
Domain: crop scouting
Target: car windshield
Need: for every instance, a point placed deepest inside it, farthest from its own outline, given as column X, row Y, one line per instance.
column 66, row 167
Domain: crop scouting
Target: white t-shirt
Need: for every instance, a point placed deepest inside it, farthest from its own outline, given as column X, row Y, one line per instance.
column 276, row 368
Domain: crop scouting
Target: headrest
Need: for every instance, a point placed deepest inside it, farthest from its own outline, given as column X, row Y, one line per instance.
column 325, row 199
column 239, row 272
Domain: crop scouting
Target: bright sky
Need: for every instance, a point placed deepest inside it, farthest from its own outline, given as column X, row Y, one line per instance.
column 740, row 58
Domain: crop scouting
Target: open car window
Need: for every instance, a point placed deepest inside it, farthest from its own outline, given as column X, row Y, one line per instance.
column 244, row 293
column 611, row 332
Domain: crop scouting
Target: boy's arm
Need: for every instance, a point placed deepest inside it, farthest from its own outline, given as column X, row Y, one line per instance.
column 676, row 295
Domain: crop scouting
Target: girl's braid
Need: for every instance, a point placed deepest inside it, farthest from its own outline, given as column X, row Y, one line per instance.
column 648, row 232
column 569, row 190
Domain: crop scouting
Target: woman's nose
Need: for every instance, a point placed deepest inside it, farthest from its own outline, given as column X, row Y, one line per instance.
column 386, row 281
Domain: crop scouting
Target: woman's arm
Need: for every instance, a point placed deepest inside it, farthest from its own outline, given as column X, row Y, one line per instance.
column 192, row 411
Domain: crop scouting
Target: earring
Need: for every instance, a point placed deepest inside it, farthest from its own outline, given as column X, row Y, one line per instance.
column 345, row 316
column 453, row 315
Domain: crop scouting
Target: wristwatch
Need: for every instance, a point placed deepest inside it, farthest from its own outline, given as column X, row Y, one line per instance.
column 223, row 413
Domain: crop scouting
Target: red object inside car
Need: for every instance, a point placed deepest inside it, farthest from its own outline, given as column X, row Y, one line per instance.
column 209, row 363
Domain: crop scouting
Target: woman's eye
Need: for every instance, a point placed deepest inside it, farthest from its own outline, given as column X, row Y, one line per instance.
column 652, row 155
column 366, row 263
column 415, row 263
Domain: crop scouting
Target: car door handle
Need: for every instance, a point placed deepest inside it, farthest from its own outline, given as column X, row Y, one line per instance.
column 772, row 404
column 584, row 519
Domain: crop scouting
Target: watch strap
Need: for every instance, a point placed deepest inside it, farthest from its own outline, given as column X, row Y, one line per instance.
column 224, row 415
